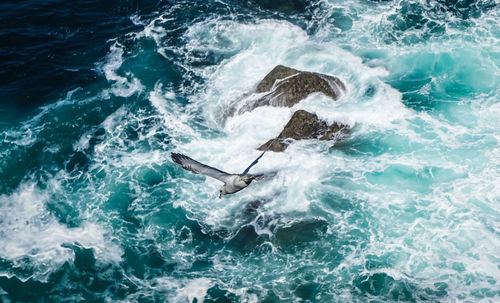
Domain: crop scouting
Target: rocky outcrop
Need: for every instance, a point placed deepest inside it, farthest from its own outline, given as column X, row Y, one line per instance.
column 285, row 86
column 303, row 125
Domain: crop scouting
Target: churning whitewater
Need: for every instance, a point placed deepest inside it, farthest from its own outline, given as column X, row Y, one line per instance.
column 406, row 207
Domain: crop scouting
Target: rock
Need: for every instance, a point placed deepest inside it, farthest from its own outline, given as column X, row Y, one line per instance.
column 279, row 72
column 335, row 131
column 275, row 145
column 303, row 125
column 287, row 86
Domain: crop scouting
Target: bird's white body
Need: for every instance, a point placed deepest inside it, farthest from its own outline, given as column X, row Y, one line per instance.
column 234, row 184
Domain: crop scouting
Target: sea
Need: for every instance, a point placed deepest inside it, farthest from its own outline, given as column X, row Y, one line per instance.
column 96, row 95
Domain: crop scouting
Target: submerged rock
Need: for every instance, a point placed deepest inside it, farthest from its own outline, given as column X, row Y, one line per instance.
column 303, row 125
column 286, row 86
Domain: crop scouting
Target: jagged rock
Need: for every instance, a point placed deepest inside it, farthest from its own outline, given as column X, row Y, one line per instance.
column 287, row 86
column 302, row 125
column 335, row 131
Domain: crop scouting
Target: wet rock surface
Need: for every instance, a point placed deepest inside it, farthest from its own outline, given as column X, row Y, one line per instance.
column 303, row 125
column 279, row 72
column 287, row 86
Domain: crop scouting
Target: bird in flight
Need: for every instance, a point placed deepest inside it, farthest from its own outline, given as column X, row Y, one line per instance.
column 232, row 182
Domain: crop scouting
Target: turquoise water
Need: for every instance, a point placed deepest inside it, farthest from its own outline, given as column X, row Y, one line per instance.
column 407, row 208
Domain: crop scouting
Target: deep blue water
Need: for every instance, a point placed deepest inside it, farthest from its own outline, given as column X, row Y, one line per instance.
column 94, row 97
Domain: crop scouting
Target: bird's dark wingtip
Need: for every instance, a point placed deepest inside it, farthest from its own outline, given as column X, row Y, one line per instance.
column 176, row 157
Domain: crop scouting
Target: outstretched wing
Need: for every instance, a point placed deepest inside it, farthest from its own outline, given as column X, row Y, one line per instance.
column 199, row 168
column 253, row 163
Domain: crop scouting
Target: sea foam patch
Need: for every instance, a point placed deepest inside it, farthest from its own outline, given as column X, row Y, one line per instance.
column 36, row 243
column 368, row 99
column 123, row 86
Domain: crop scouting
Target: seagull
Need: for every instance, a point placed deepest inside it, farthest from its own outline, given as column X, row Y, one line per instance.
column 232, row 182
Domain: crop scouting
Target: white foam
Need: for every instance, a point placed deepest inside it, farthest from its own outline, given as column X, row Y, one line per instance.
column 194, row 289
column 183, row 290
column 123, row 86
column 114, row 120
column 83, row 142
column 175, row 119
column 279, row 42
column 156, row 31
column 136, row 19
column 29, row 231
